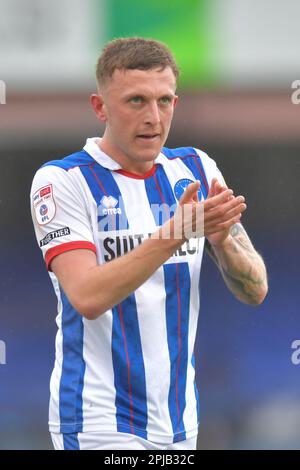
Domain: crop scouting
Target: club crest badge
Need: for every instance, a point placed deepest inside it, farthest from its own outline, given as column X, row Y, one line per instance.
column 180, row 187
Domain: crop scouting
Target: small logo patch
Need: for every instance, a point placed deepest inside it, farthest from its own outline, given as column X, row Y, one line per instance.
column 43, row 209
column 44, row 205
column 180, row 187
column 55, row 234
column 108, row 206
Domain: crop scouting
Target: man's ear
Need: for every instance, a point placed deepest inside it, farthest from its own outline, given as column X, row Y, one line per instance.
column 98, row 106
column 176, row 98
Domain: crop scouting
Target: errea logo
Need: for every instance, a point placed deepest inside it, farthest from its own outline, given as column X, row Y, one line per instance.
column 108, row 206
column 111, row 214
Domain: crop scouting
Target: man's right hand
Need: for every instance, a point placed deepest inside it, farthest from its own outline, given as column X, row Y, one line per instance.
column 216, row 214
column 93, row 289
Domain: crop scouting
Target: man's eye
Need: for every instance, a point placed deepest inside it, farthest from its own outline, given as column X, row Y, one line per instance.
column 165, row 100
column 136, row 99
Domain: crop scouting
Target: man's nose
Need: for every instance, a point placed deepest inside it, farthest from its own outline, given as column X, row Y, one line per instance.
column 152, row 115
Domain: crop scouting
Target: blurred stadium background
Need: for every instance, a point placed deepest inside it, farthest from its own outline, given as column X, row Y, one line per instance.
column 238, row 60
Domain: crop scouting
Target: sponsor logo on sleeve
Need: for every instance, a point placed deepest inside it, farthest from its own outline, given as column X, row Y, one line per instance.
column 44, row 205
column 62, row 232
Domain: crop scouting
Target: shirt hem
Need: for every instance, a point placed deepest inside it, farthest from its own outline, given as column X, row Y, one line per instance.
column 153, row 437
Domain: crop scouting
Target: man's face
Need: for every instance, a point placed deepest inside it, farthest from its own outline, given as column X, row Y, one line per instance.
column 138, row 107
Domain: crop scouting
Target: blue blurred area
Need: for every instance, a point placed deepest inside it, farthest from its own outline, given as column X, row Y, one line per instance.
column 244, row 353
column 248, row 385
column 28, row 310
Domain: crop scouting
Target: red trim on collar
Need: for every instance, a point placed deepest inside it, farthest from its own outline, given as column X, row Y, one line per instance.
column 138, row 177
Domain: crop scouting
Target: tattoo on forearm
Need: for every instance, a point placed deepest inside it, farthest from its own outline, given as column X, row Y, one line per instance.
column 240, row 236
column 244, row 284
column 236, row 229
column 243, row 277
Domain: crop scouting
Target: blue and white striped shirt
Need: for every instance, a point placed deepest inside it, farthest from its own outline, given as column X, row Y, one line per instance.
column 132, row 369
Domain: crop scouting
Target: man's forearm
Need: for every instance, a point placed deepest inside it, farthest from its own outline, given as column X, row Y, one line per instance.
column 242, row 267
column 93, row 289
column 107, row 285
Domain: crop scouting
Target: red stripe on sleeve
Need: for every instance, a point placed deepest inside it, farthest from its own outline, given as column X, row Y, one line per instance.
column 57, row 250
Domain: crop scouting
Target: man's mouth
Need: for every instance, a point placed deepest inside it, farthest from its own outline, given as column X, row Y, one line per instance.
column 148, row 136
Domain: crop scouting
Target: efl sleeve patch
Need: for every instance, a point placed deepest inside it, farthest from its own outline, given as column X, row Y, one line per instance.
column 44, row 205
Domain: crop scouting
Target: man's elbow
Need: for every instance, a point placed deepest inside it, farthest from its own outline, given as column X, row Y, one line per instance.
column 259, row 296
column 87, row 308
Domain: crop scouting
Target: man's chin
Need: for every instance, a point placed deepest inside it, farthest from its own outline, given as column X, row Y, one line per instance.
column 148, row 156
column 148, row 152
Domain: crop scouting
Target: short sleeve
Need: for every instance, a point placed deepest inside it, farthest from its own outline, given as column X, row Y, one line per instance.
column 210, row 168
column 59, row 213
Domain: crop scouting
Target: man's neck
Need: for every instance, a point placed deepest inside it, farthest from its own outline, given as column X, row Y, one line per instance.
column 137, row 168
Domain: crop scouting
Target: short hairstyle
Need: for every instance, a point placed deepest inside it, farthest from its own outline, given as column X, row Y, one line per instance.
column 133, row 53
